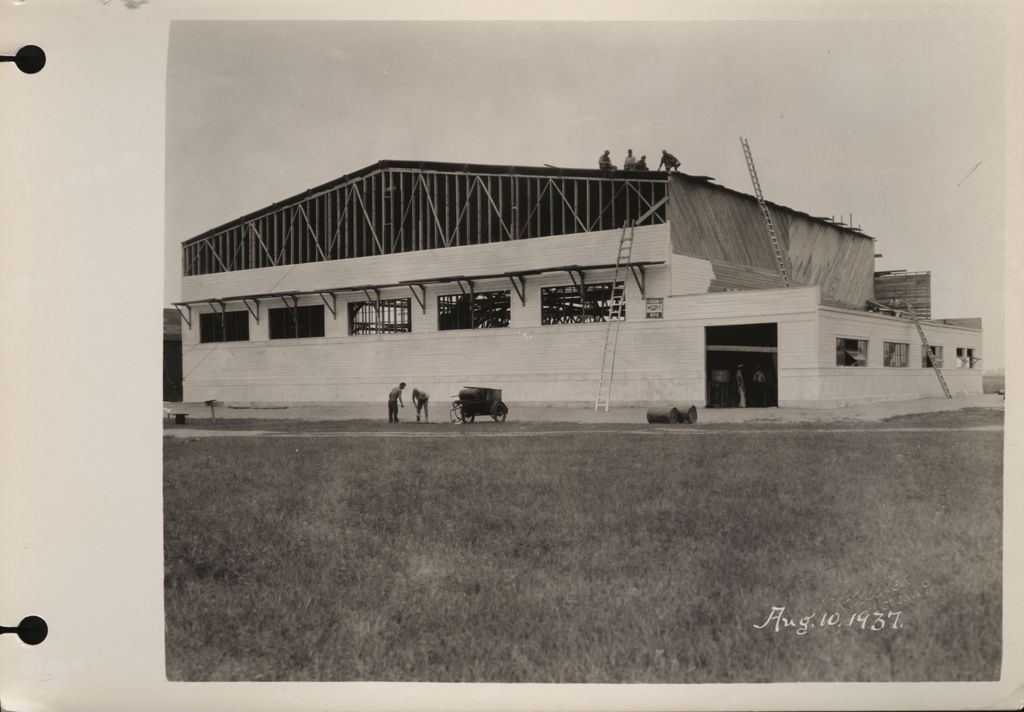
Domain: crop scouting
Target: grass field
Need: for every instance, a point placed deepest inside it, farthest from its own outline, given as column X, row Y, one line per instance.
column 585, row 557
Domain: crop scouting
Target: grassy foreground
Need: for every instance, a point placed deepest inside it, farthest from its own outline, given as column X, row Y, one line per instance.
column 588, row 557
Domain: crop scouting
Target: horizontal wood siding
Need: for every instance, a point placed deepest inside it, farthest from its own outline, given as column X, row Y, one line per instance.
column 727, row 228
column 843, row 385
column 731, row 277
column 658, row 360
column 690, row 275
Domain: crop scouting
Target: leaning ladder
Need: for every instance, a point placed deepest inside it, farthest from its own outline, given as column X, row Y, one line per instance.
column 611, row 336
column 927, row 349
column 779, row 260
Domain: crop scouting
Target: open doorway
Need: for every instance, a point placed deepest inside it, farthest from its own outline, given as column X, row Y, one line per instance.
column 742, row 365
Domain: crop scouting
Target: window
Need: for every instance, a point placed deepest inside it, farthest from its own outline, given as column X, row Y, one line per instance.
column 851, row 352
column 229, row 326
column 480, row 310
column 564, row 305
column 297, row 322
column 387, row 316
column 936, row 357
column 965, row 357
column 895, row 355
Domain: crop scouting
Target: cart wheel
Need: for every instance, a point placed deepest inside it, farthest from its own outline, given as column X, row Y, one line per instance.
column 499, row 412
column 456, row 412
column 468, row 417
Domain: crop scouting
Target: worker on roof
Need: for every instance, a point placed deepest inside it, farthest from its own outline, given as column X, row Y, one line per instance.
column 395, row 400
column 641, row 164
column 605, row 161
column 630, row 163
column 670, row 162
column 420, row 399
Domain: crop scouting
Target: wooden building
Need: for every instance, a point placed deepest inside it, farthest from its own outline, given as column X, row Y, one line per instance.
column 900, row 287
column 443, row 275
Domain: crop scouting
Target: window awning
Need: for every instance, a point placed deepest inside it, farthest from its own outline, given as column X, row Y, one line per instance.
column 517, row 277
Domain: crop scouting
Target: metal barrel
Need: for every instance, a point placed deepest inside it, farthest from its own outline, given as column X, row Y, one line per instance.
column 471, row 393
column 687, row 414
column 662, row 415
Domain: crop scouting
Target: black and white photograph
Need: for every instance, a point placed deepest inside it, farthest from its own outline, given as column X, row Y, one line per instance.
column 584, row 352
column 534, row 356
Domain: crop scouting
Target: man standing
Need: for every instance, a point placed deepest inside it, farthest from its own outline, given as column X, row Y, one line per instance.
column 420, row 400
column 395, row 400
column 760, row 386
column 630, row 163
column 741, row 390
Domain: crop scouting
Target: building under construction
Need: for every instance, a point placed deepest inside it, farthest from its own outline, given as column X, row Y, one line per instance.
column 546, row 283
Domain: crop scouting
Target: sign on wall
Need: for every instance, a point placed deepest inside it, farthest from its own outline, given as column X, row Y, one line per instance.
column 655, row 307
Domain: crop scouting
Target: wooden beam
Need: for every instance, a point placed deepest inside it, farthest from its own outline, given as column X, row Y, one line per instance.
column 744, row 349
column 255, row 309
column 421, row 299
column 572, row 211
column 653, row 209
column 332, row 306
column 497, row 208
column 316, row 238
column 519, row 287
column 186, row 315
column 373, row 232
column 640, row 275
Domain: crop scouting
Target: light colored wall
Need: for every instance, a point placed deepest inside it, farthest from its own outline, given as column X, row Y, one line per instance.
column 793, row 310
column 690, row 275
column 844, row 385
column 658, row 361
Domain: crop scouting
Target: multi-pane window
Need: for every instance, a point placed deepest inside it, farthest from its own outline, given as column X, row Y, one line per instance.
column 227, row 326
column 935, row 353
column 387, row 316
column 851, row 352
column 480, row 310
column 296, row 322
column 895, row 355
column 566, row 305
column 965, row 357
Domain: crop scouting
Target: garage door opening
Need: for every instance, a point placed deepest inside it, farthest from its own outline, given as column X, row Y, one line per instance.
column 742, row 366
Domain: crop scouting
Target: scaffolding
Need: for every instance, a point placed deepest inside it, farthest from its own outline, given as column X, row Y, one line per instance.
column 395, row 207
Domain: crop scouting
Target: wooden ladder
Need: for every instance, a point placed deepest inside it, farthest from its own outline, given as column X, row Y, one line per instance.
column 611, row 336
column 927, row 348
column 776, row 248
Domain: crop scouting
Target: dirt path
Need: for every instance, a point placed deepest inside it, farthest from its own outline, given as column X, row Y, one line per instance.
column 676, row 431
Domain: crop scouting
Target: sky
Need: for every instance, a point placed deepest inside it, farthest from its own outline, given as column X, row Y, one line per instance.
column 899, row 123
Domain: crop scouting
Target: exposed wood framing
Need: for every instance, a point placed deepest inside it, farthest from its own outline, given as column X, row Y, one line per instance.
column 293, row 307
column 186, row 315
column 640, row 276
column 332, row 306
column 652, row 210
column 392, row 210
column 213, row 305
column 744, row 349
column 519, row 285
column 254, row 309
column 420, row 297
